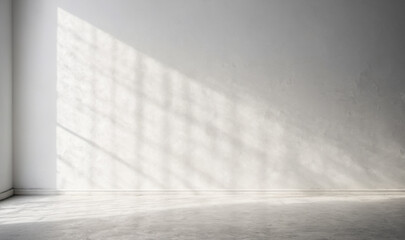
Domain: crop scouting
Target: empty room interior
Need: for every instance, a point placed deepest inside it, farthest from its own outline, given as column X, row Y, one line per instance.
column 202, row 119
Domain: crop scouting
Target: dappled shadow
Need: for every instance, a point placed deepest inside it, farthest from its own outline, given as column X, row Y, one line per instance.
column 127, row 121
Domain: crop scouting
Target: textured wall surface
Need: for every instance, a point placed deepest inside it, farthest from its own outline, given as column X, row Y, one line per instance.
column 228, row 95
column 5, row 96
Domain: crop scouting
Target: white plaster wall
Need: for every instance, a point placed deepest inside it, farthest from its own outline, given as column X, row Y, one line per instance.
column 5, row 96
column 212, row 95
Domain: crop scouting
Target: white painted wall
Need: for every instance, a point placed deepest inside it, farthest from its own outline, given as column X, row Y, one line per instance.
column 34, row 84
column 210, row 94
column 5, row 96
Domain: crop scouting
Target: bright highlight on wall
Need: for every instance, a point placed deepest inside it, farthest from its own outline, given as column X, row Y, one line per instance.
column 127, row 121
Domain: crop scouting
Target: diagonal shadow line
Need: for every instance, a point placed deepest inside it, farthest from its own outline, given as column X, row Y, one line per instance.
column 65, row 161
column 112, row 155
column 196, row 122
column 211, row 127
column 185, row 183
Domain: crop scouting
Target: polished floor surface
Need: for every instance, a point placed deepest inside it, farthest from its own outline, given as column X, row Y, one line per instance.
column 208, row 216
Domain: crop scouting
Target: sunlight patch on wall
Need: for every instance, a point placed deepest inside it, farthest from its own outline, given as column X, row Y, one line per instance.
column 127, row 121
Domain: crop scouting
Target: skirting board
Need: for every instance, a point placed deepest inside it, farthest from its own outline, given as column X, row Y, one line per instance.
column 6, row 194
column 276, row 192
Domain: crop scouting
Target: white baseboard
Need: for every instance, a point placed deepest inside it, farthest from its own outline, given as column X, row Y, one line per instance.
column 281, row 192
column 6, row 194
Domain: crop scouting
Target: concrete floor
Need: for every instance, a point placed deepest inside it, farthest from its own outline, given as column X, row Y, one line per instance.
column 210, row 216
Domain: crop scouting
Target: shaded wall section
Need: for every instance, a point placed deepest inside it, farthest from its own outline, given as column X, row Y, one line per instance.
column 34, row 94
column 5, row 96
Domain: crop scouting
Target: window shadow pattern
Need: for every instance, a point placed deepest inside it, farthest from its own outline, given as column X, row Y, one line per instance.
column 127, row 121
